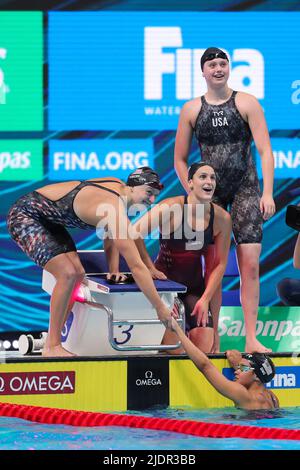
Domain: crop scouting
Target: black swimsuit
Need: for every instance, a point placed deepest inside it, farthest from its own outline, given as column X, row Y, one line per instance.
column 181, row 260
column 225, row 142
column 37, row 224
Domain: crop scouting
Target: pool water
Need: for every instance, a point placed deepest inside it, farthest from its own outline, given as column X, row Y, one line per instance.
column 18, row 434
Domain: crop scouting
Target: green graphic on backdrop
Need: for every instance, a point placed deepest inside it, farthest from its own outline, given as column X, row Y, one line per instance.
column 21, row 160
column 277, row 328
column 21, row 71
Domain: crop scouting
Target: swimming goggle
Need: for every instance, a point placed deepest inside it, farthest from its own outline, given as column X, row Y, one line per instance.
column 215, row 55
column 244, row 367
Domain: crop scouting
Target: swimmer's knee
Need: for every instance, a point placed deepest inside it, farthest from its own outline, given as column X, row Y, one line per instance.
column 70, row 274
column 250, row 268
column 80, row 274
column 253, row 269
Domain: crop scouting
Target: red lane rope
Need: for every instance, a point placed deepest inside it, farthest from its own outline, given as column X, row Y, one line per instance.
column 195, row 428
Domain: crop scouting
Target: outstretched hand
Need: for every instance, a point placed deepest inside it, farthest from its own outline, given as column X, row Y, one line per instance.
column 166, row 316
column 201, row 312
column 234, row 357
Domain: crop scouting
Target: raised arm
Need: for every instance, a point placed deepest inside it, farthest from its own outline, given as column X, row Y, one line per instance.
column 232, row 390
column 234, row 357
column 182, row 145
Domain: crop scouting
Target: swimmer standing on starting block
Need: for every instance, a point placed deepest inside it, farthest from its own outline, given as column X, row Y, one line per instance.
column 252, row 371
column 37, row 223
column 224, row 122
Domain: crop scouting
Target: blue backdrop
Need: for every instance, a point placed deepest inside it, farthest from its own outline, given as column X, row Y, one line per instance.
column 116, row 83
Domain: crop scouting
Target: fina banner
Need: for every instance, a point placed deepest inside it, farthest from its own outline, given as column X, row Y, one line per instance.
column 135, row 70
column 86, row 159
column 286, row 158
column 21, row 71
column 286, row 377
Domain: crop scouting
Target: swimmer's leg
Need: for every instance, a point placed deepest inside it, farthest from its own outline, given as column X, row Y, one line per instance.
column 247, row 229
column 67, row 275
column 248, row 262
column 74, row 258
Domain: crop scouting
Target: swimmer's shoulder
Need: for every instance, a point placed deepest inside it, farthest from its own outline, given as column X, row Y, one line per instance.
column 191, row 110
column 246, row 102
column 171, row 201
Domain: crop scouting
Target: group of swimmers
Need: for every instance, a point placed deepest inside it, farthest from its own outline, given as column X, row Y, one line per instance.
column 195, row 230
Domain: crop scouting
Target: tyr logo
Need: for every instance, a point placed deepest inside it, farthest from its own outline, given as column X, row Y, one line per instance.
column 219, row 119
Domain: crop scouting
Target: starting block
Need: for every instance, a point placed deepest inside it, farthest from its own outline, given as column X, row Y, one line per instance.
column 115, row 319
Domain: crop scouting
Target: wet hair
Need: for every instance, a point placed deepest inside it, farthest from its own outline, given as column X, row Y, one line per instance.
column 212, row 53
column 144, row 175
column 195, row 166
column 263, row 366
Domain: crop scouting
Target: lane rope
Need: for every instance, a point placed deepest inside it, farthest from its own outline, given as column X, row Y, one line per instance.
column 194, row 428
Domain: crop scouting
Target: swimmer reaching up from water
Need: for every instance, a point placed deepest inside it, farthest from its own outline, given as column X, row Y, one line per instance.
column 252, row 371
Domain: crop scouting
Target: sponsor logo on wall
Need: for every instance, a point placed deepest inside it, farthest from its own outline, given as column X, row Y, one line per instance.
column 160, row 53
column 147, row 382
column 21, row 160
column 85, row 159
column 277, row 327
column 21, row 71
column 37, row 383
column 285, row 377
column 4, row 89
column 286, row 158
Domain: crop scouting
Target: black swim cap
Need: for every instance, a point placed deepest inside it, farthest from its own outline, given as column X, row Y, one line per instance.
column 195, row 166
column 212, row 53
column 144, row 175
column 263, row 367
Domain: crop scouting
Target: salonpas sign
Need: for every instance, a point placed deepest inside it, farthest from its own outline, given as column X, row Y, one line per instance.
column 277, row 328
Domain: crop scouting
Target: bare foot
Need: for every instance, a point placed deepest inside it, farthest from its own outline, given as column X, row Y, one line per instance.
column 256, row 346
column 56, row 351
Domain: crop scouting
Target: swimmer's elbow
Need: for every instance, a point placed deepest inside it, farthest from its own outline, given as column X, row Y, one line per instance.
column 205, row 365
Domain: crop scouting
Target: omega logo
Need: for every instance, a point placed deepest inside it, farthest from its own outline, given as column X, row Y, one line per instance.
column 148, row 380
